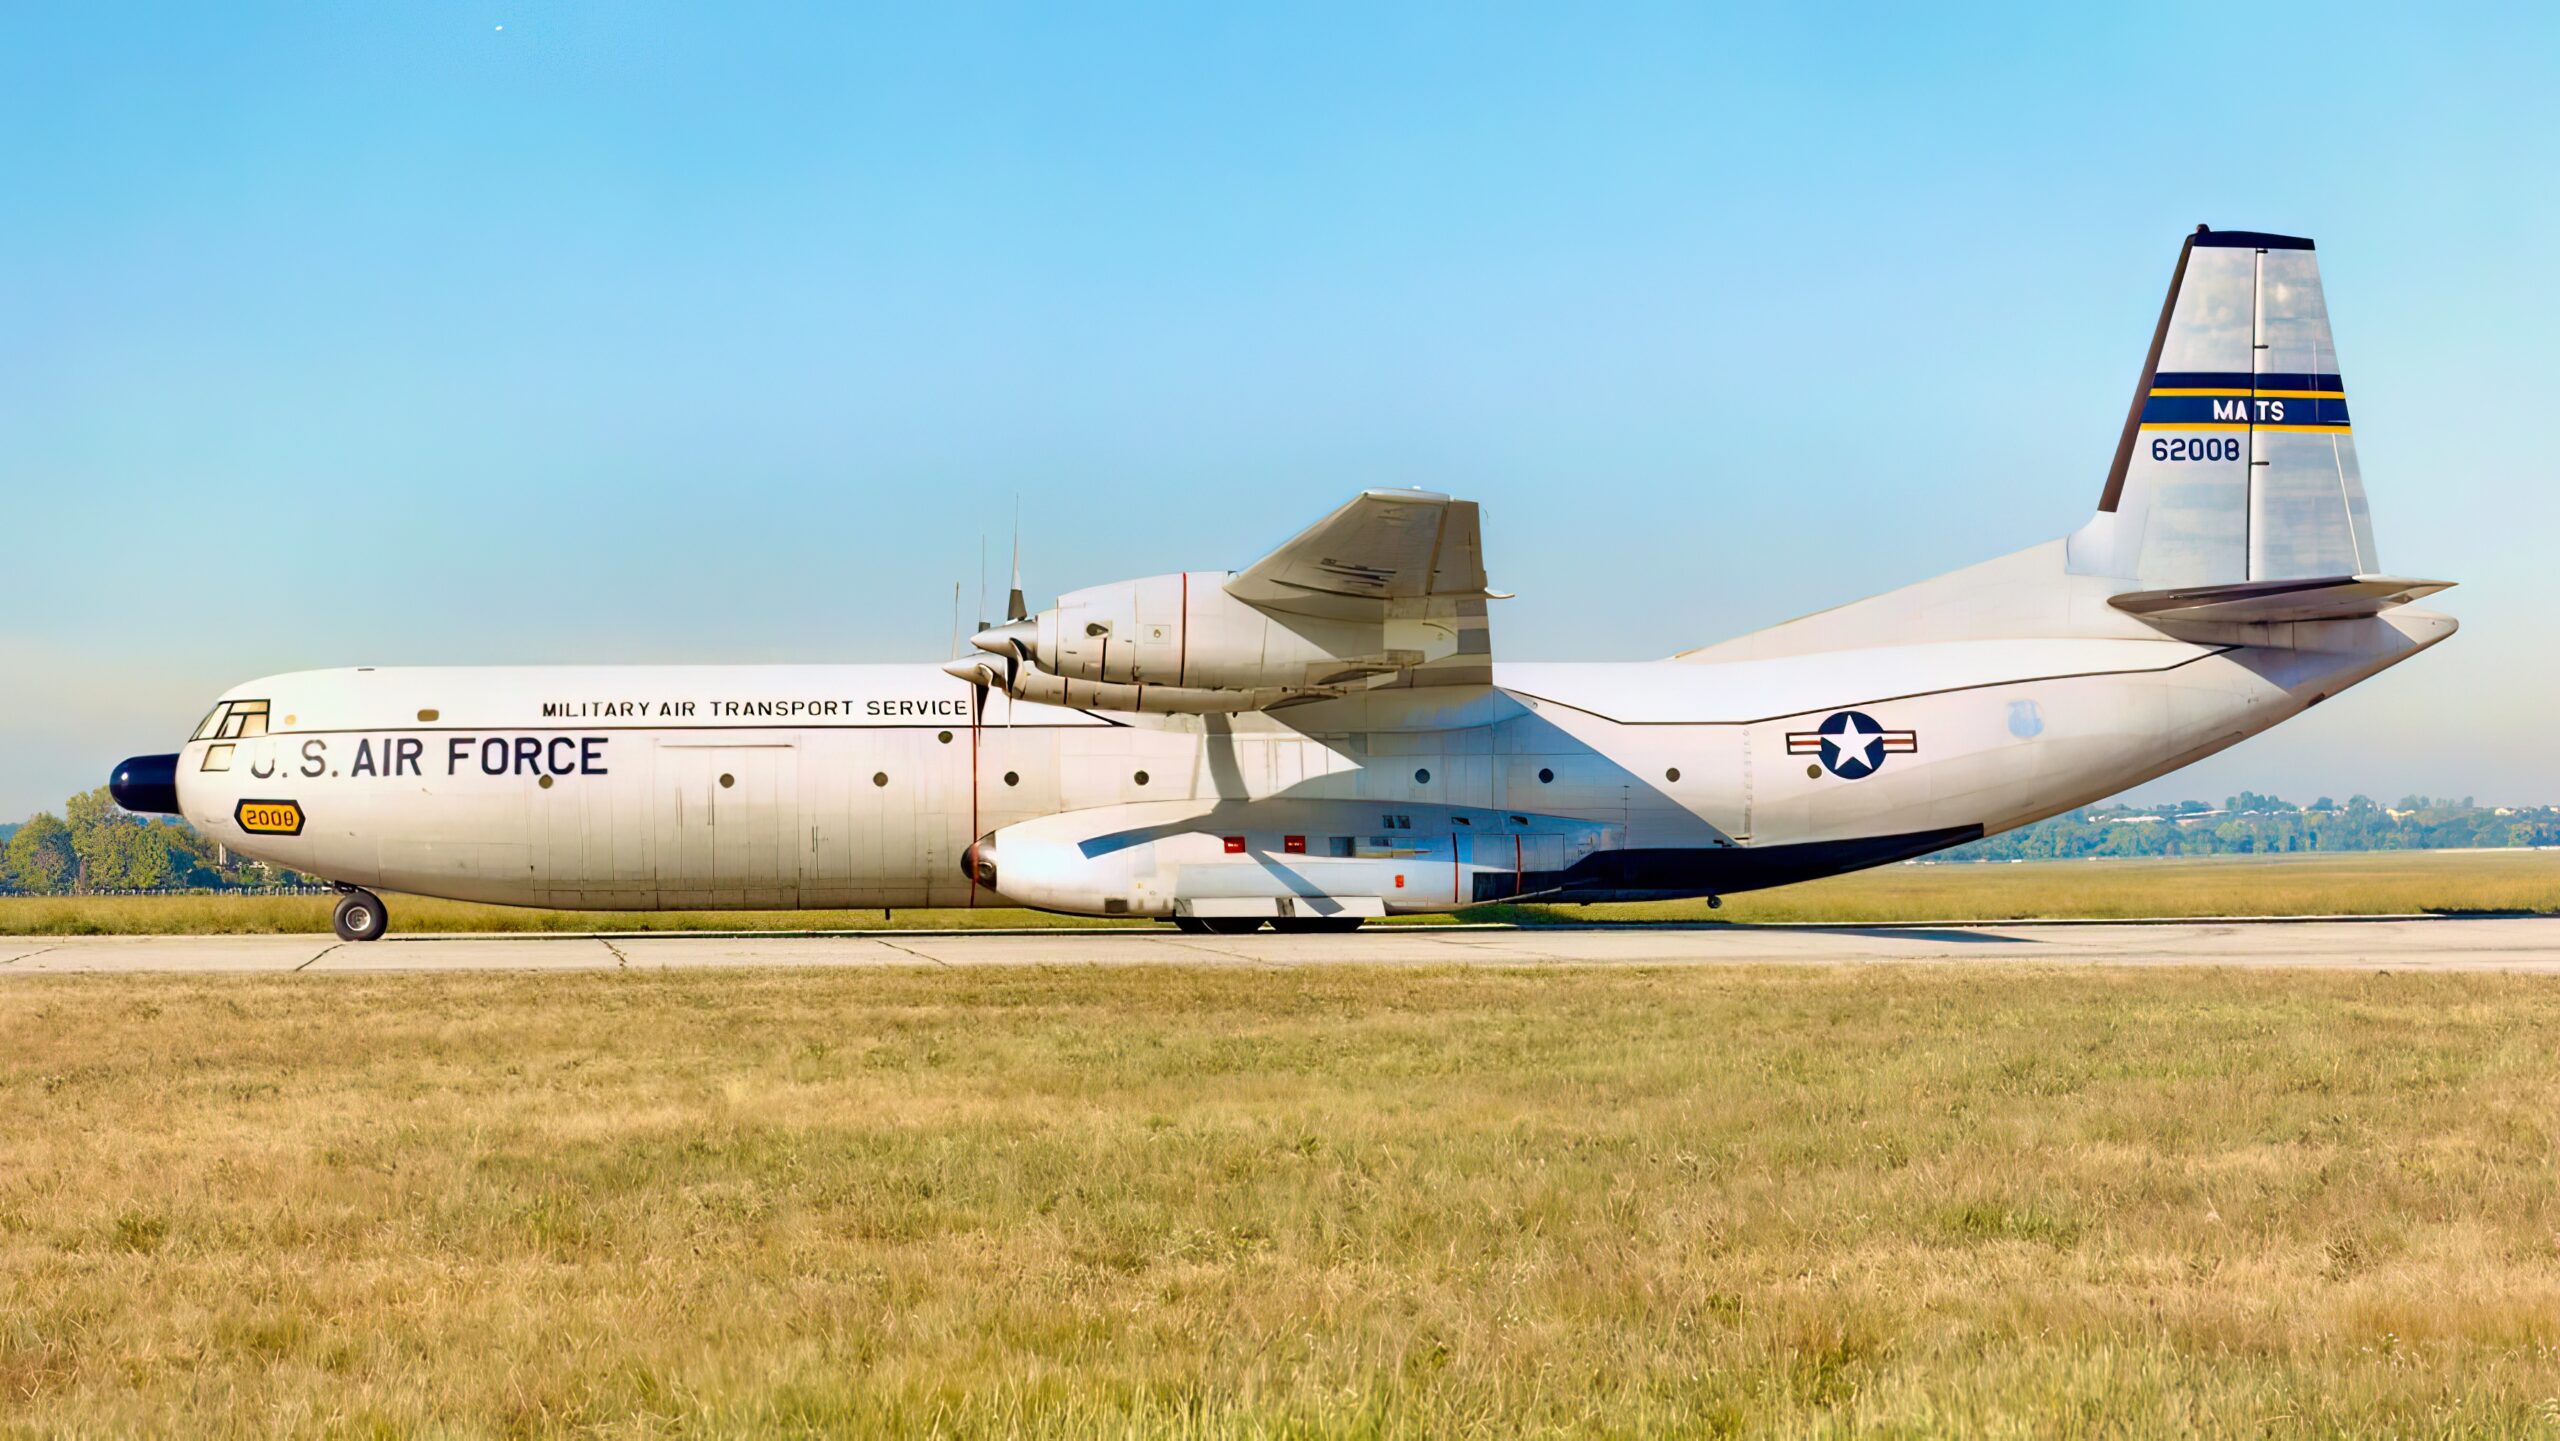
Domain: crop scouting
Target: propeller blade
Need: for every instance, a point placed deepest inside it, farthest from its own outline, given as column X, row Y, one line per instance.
column 1014, row 609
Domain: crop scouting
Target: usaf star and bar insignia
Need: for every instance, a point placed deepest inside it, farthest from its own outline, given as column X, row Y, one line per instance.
column 1852, row 744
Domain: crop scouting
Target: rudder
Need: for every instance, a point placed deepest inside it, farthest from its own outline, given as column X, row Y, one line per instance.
column 2237, row 462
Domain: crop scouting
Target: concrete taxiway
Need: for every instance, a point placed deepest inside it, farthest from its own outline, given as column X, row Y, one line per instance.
column 2415, row 944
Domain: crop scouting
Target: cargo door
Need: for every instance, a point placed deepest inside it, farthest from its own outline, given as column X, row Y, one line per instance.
column 728, row 822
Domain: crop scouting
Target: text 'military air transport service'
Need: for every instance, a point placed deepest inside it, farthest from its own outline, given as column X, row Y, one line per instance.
column 1327, row 736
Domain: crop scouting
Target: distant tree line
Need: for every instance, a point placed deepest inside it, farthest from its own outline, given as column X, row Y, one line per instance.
column 97, row 845
column 2254, row 824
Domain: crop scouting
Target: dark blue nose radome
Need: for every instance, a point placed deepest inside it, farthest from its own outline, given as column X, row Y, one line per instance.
column 148, row 784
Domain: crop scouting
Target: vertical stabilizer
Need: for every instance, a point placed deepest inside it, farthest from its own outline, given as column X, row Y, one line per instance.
column 2237, row 462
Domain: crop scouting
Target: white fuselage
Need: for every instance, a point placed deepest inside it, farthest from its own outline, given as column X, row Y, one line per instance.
column 865, row 785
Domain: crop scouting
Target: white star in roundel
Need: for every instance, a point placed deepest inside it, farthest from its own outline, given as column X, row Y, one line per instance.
column 1852, row 745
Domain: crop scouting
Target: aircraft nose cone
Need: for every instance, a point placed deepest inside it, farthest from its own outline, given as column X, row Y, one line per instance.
column 148, row 784
column 1013, row 638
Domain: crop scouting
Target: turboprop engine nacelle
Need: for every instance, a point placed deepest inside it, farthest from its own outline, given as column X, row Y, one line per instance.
column 1280, row 857
column 1389, row 582
column 1185, row 632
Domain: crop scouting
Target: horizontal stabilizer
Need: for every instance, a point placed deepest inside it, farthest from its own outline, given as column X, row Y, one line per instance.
column 2335, row 597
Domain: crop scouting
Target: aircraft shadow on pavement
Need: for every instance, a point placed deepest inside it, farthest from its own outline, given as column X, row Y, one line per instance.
column 1917, row 933
column 1924, row 933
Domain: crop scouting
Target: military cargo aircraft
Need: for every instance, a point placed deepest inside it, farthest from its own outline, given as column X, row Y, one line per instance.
column 1327, row 736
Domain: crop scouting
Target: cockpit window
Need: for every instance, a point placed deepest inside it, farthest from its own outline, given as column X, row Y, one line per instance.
column 234, row 720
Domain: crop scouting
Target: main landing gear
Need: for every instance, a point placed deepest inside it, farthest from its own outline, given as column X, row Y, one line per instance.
column 360, row 917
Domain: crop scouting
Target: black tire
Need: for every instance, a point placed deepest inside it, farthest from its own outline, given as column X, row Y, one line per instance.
column 360, row 917
column 1191, row 925
column 1232, row 925
column 1316, row 925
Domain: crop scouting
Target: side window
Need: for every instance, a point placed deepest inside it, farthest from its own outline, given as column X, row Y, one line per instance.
column 212, row 720
column 217, row 758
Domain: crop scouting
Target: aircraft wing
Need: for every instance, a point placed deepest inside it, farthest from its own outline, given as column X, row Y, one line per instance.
column 1410, row 558
column 1384, row 552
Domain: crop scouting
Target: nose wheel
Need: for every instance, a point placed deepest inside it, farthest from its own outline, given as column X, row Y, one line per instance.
column 360, row 917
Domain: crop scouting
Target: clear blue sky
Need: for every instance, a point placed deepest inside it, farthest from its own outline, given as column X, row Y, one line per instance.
column 487, row 331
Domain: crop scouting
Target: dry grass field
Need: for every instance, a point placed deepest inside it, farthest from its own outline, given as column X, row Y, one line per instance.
column 2371, row 883
column 2341, row 884
column 1366, row 1202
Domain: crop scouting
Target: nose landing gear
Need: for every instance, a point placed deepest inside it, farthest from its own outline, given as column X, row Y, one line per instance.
column 360, row 917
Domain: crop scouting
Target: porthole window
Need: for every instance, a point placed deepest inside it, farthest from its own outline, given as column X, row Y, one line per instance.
column 1814, row 771
column 727, row 780
column 1422, row 777
column 1546, row 777
column 1013, row 778
column 1672, row 774
column 879, row 778
column 1141, row 777
column 545, row 782
column 945, row 737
